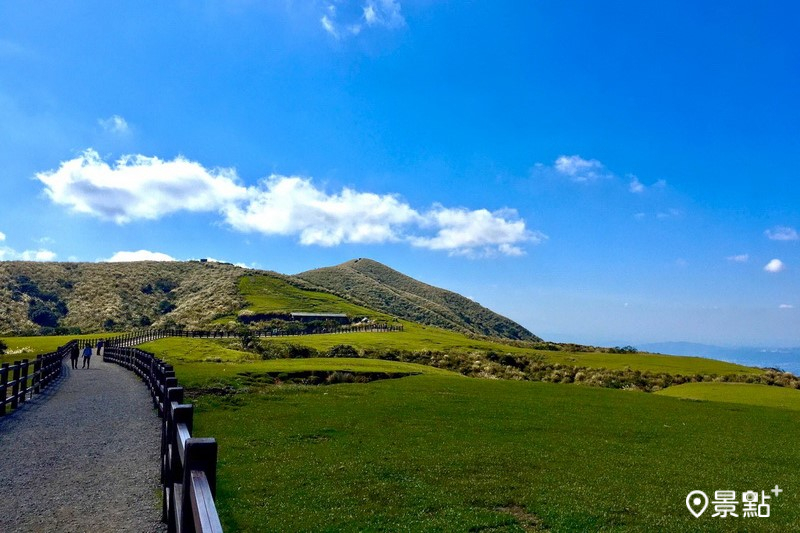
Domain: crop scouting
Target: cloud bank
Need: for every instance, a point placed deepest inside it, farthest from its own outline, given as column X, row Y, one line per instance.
column 138, row 187
column 9, row 254
column 140, row 255
column 782, row 233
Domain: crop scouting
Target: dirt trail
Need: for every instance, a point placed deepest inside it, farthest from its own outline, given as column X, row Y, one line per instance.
column 83, row 456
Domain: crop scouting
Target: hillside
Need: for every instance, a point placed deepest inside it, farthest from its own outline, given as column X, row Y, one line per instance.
column 71, row 298
column 378, row 287
column 92, row 297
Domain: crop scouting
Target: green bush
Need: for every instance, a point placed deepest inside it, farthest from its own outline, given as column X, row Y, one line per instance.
column 342, row 350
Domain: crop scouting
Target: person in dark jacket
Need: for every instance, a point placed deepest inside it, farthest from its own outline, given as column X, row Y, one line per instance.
column 73, row 355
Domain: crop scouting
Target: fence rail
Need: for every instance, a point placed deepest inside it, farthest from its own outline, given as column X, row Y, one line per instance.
column 20, row 380
column 188, row 464
column 146, row 335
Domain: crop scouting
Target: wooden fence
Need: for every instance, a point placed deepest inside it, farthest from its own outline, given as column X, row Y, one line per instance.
column 150, row 334
column 188, row 464
column 20, row 380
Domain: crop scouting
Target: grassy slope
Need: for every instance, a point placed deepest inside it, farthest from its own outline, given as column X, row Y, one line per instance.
column 416, row 337
column 450, row 454
column 443, row 452
column 202, row 363
column 380, row 287
column 741, row 393
column 267, row 294
column 97, row 292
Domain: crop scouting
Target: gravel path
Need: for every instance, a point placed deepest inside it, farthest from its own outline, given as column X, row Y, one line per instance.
column 83, row 456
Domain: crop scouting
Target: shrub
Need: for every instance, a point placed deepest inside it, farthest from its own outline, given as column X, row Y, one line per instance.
column 340, row 377
column 342, row 350
column 298, row 351
column 3, row 347
column 39, row 313
column 165, row 285
column 165, row 306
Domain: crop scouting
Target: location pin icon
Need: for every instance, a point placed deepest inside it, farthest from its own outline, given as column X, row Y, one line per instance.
column 697, row 501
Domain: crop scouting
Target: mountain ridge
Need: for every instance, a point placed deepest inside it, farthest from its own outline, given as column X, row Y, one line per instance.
column 48, row 297
column 382, row 288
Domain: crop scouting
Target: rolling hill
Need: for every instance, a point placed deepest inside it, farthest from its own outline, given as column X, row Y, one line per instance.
column 73, row 298
column 91, row 297
column 379, row 287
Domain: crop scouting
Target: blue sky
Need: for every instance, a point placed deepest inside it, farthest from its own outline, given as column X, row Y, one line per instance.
column 614, row 172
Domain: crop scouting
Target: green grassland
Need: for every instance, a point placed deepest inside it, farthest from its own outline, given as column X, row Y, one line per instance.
column 203, row 363
column 33, row 346
column 742, row 393
column 267, row 294
column 442, row 453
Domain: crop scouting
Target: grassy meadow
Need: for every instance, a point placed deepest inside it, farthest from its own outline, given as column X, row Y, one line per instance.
column 20, row 348
column 742, row 393
column 265, row 294
column 437, row 451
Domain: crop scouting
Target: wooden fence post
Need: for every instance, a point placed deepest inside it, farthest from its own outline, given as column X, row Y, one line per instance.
column 24, row 376
column 15, row 385
column 201, row 455
column 3, row 388
column 37, row 375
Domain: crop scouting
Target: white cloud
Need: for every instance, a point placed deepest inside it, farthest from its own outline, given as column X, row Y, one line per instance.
column 741, row 258
column 294, row 206
column 37, row 255
column 782, row 233
column 147, row 188
column 383, row 13
column 140, row 255
column 477, row 233
column 138, row 187
column 114, row 124
column 9, row 254
column 372, row 14
column 775, row 266
column 579, row 169
column 636, row 186
column 786, row 306
column 328, row 25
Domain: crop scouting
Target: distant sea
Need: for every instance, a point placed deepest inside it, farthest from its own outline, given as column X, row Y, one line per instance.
column 787, row 359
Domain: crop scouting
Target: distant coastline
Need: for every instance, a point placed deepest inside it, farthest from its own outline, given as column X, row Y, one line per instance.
column 787, row 359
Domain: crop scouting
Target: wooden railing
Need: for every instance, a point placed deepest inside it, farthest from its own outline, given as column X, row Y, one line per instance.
column 20, row 380
column 188, row 464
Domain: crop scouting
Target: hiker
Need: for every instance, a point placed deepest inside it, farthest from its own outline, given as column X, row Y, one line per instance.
column 87, row 355
column 73, row 355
